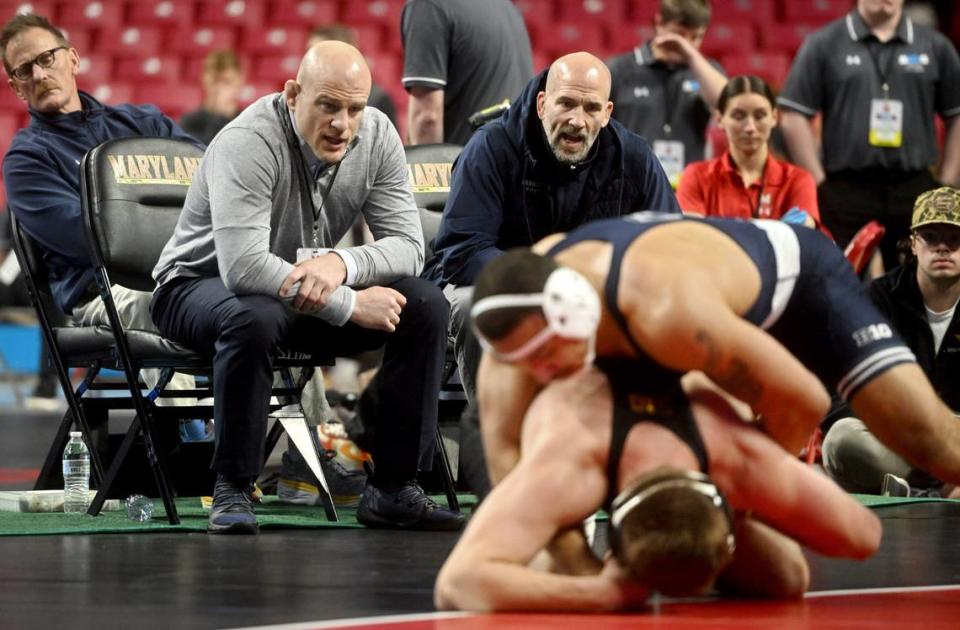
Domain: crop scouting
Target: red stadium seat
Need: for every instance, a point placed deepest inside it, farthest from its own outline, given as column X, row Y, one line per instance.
column 111, row 92
column 604, row 11
column 386, row 12
column 815, row 11
column 717, row 138
column 96, row 67
column 308, row 13
column 628, row 36
column 173, row 103
column 541, row 61
column 79, row 37
column 200, row 40
column 385, row 68
column 8, row 8
column 132, row 40
column 90, row 14
column 572, row 36
column 10, row 102
column 772, row 67
column 644, row 10
column 275, row 69
column 538, row 14
column 157, row 69
column 248, row 13
column 761, row 13
column 369, row 37
column 724, row 38
column 178, row 13
column 253, row 90
column 785, row 38
column 276, row 40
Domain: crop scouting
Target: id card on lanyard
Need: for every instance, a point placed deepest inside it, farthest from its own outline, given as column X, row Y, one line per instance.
column 670, row 153
column 886, row 114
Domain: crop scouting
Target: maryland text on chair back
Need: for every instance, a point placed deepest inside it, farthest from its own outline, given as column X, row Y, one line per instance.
column 430, row 166
column 134, row 190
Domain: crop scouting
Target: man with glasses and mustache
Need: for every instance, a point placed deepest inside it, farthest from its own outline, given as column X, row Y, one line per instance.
column 41, row 171
column 920, row 300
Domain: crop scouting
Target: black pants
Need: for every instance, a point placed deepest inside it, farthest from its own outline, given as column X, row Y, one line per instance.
column 242, row 333
column 849, row 200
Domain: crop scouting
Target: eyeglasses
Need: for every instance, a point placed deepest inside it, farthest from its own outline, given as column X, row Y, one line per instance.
column 935, row 238
column 24, row 72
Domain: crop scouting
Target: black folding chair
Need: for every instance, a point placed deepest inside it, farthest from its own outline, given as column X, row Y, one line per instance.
column 430, row 167
column 133, row 191
column 89, row 347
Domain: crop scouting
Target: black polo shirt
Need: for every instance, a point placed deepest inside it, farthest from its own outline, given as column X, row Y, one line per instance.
column 659, row 102
column 478, row 53
column 838, row 72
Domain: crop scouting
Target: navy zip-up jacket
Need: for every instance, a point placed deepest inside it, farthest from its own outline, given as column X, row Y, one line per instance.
column 41, row 173
column 508, row 189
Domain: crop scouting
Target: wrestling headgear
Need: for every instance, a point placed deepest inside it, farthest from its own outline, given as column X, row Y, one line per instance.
column 631, row 498
column 569, row 304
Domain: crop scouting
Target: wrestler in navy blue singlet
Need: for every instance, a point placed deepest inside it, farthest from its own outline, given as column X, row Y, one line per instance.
column 810, row 300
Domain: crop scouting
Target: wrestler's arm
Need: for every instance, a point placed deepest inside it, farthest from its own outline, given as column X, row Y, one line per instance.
column 695, row 330
column 488, row 568
column 793, row 498
column 504, row 393
column 765, row 564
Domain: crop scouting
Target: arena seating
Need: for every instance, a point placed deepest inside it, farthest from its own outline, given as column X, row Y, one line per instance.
column 133, row 49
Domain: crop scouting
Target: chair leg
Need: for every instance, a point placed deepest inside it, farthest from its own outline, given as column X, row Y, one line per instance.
column 328, row 505
column 111, row 476
column 273, row 437
column 442, row 459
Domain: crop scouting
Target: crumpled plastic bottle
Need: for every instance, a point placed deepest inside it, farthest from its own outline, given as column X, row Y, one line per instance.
column 139, row 508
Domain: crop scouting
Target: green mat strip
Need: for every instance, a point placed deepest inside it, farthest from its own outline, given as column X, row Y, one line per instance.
column 193, row 518
column 874, row 501
column 270, row 515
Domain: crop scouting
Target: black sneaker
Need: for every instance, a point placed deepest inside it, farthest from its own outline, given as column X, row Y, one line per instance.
column 232, row 510
column 406, row 507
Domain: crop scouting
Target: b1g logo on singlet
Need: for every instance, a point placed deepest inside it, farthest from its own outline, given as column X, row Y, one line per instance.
column 873, row 332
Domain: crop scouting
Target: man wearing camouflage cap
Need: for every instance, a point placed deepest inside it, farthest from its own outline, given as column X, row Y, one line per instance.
column 920, row 299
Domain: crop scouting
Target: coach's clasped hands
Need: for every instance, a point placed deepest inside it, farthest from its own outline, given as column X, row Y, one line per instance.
column 318, row 278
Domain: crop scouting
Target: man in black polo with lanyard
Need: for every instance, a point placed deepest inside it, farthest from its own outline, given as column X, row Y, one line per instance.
column 665, row 88
column 878, row 77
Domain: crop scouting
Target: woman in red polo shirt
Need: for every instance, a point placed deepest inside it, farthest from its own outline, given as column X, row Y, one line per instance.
column 746, row 181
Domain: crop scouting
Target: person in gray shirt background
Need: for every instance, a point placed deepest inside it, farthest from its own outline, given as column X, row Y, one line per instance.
column 249, row 270
column 460, row 56
column 878, row 78
column 665, row 89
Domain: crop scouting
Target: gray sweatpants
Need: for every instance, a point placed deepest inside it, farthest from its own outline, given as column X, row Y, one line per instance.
column 857, row 460
column 134, row 310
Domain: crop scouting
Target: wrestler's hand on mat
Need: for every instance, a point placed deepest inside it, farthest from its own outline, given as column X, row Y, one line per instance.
column 318, row 278
column 624, row 593
column 378, row 308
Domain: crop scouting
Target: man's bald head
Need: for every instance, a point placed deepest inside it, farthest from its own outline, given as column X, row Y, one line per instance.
column 334, row 61
column 328, row 97
column 579, row 69
column 575, row 105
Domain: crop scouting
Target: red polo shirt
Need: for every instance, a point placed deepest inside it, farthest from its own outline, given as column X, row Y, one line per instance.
column 714, row 188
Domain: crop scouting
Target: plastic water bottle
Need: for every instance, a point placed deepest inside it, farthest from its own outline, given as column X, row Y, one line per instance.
column 76, row 475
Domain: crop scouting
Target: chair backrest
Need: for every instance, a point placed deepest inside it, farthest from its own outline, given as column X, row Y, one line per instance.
column 430, row 166
column 31, row 265
column 133, row 190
